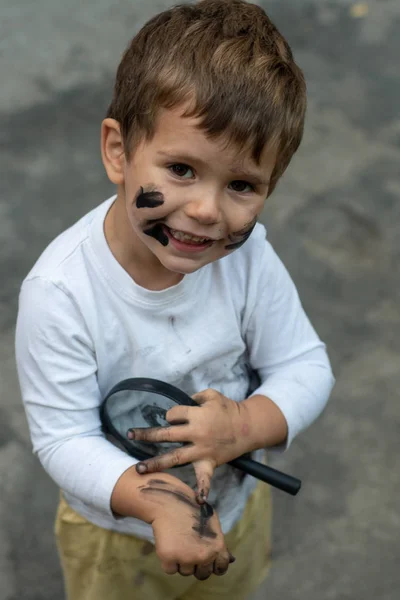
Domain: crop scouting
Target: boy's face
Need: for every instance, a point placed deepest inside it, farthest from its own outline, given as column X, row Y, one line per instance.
column 188, row 199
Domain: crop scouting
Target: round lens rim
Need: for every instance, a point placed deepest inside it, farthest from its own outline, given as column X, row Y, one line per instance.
column 140, row 384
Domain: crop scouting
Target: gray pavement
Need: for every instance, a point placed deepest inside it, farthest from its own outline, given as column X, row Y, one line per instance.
column 334, row 220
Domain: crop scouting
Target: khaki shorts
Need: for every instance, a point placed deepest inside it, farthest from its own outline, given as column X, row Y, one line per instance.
column 104, row 565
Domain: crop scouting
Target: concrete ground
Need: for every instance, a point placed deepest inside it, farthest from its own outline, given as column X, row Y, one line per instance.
column 334, row 219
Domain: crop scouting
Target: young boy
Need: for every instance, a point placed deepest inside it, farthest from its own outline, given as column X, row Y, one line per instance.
column 172, row 278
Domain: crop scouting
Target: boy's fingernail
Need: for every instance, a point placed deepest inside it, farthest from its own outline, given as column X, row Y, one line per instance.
column 130, row 435
column 201, row 497
column 141, row 468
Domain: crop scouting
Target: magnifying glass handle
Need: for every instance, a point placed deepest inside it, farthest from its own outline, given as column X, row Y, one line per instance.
column 280, row 480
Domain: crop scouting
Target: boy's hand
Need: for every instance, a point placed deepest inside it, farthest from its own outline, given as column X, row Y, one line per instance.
column 217, row 432
column 188, row 536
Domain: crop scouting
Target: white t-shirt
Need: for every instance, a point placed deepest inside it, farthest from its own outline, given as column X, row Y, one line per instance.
column 235, row 325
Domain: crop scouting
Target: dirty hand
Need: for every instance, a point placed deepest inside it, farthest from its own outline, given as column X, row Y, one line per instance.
column 188, row 536
column 216, row 431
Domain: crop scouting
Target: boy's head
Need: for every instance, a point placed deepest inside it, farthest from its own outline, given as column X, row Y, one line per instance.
column 208, row 109
column 228, row 63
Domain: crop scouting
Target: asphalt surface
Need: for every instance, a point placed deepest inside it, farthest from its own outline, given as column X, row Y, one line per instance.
column 334, row 219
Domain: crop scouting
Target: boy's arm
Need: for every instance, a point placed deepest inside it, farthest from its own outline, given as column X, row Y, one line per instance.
column 58, row 378
column 294, row 369
column 188, row 536
column 291, row 361
column 296, row 381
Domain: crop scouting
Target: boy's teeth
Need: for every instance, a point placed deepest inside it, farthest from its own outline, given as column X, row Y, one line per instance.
column 185, row 237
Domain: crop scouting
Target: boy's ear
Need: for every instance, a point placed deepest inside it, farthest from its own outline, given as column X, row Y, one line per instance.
column 112, row 151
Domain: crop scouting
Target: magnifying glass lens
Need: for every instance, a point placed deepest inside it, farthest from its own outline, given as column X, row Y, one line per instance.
column 129, row 409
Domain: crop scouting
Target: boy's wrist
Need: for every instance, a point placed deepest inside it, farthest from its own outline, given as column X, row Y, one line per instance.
column 266, row 424
column 125, row 498
column 128, row 499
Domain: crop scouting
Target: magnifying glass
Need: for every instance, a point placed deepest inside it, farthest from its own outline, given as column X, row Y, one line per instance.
column 144, row 402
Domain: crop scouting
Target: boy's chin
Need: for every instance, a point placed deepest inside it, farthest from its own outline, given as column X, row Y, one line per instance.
column 180, row 268
column 185, row 271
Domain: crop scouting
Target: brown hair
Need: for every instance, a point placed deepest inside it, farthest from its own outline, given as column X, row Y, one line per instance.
column 227, row 60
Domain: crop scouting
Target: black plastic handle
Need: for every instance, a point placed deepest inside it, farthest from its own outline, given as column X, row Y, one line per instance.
column 280, row 480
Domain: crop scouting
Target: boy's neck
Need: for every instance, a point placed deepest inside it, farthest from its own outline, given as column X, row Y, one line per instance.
column 144, row 268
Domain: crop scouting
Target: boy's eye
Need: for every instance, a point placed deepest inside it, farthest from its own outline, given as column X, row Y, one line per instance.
column 181, row 170
column 185, row 172
column 240, row 186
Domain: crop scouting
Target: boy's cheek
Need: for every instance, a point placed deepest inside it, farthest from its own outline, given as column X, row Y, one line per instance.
column 150, row 199
column 150, row 203
column 146, row 206
column 243, row 220
column 240, row 236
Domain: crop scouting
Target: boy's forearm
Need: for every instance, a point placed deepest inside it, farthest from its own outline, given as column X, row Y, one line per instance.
column 127, row 499
column 263, row 422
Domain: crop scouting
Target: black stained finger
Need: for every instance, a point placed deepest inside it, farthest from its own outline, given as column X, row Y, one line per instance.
column 169, row 568
column 178, row 414
column 202, row 493
column 164, row 461
column 221, row 563
column 141, row 468
column 186, row 570
column 150, row 434
column 203, row 572
column 201, row 496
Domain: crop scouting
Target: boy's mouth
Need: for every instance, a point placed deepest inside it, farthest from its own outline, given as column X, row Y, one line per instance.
column 188, row 238
column 184, row 241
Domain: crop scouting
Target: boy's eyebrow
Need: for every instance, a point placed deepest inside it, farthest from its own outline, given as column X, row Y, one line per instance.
column 234, row 169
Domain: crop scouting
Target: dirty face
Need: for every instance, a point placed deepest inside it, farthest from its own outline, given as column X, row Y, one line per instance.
column 191, row 200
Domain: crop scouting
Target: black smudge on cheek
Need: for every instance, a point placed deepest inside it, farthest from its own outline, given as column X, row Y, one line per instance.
column 149, row 199
column 157, row 232
column 241, row 236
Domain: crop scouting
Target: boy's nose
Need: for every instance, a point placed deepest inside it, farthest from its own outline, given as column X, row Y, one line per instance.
column 205, row 210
